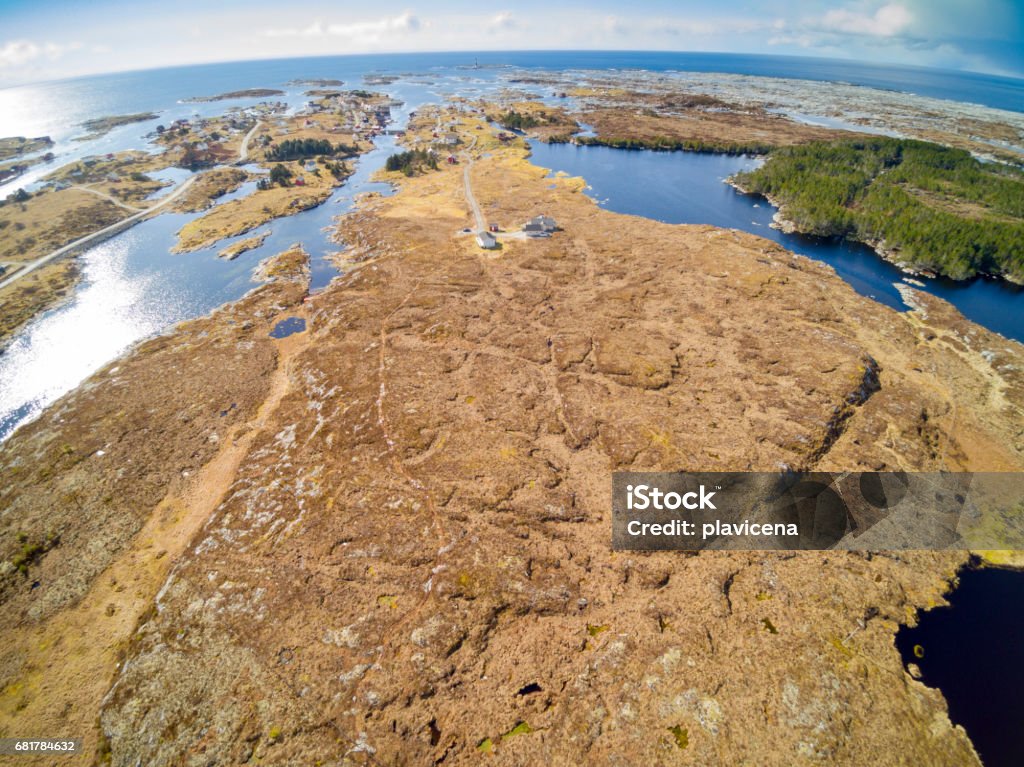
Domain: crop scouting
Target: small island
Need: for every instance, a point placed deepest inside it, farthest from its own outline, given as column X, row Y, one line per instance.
column 377, row 79
column 319, row 82
column 249, row 93
column 101, row 126
column 231, row 252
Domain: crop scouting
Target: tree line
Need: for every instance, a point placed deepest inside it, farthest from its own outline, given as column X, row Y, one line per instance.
column 514, row 120
column 937, row 207
column 301, row 148
column 667, row 144
column 411, row 162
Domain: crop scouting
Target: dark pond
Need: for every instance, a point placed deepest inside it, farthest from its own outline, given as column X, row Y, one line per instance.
column 288, row 326
column 973, row 651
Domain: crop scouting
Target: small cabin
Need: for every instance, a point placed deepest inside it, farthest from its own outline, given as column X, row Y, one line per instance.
column 486, row 240
column 540, row 226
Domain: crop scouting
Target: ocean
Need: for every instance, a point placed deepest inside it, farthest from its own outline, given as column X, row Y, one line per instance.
column 54, row 108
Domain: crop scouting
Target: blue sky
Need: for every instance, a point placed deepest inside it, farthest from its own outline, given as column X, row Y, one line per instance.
column 42, row 39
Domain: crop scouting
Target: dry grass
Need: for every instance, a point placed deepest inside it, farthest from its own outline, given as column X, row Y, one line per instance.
column 723, row 128
column 208, row 187
column 250, row 243
column 13, row 147
column 245, row 214
column 35, row 292
column 97, row 172
column 960, row 208
column 51, row 220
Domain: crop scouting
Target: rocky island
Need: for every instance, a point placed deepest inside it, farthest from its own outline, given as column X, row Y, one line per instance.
column 101, row 126
column 248, row 93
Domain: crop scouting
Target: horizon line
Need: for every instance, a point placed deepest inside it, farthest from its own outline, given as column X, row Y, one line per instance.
column 1018, row 78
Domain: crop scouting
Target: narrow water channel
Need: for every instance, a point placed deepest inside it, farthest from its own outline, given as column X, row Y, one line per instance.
column 132, row 287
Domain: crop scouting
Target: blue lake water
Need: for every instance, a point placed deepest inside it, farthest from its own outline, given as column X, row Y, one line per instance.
column 133, row 287
column 689, row 188
column 287, row 327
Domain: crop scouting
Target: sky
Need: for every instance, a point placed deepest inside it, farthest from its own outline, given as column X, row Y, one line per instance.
column 51, row 39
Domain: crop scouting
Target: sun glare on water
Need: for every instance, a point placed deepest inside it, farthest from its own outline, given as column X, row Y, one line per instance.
column 62, row 348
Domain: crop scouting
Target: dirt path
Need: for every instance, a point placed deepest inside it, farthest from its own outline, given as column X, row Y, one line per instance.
column 108, row 198
column 243, row 151
column 72, row 659
column 474, row 206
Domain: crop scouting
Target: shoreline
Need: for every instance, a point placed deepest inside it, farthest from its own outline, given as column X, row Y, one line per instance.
column 787, row 226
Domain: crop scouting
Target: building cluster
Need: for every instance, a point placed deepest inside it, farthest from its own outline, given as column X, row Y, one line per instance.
column 361, row 120
column 538, row 226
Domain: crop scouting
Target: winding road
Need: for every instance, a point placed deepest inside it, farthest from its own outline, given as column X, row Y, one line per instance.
column 31, row 266
column 108, row 197
column 243, row 151
column 106, row 231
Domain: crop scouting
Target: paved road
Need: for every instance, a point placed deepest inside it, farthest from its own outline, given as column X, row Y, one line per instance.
column 105, row 231
column 243, row 154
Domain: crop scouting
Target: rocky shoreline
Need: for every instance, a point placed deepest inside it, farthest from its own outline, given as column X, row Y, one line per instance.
column 785, row 225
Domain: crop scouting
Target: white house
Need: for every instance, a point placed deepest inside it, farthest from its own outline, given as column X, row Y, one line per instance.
column 486, row 240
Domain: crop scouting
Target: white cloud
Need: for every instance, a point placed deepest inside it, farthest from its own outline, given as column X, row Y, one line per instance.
column 853, row 31
column 711, row 26
column 502, row 21
column 17, row 53
column 887, row 21
column 367, row 32
column 405, row 22
column 614, row 25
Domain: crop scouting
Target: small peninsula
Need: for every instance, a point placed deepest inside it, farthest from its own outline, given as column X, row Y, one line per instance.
column 14, row 147
column 924, row 206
